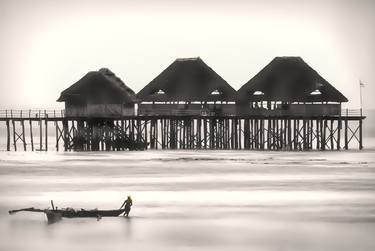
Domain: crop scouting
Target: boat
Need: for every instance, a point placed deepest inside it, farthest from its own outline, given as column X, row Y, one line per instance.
column 54, row 214
column 93, row 213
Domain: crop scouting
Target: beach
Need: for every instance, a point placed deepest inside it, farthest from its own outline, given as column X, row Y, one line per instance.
column 192, row 200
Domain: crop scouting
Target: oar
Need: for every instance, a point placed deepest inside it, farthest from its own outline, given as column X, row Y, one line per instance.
column 30, row 209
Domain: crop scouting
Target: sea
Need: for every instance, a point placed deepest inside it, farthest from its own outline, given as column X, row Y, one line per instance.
column 192, row 200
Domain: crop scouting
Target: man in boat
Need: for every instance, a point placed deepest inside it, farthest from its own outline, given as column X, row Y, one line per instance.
column 128, row 204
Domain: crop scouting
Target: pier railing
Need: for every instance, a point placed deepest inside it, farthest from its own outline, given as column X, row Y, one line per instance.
column 42, row 114
column 32, row 114
column 205, row 131
column 351, row 113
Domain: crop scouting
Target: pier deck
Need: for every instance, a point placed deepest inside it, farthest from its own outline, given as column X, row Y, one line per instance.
column 251, row 132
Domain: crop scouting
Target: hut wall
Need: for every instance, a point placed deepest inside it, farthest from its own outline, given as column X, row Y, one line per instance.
column 291, row 109
column 186, row 109
column 99, row 110
column 247, row 109
column 314, row 109
column 222, row 109
column 169, row 109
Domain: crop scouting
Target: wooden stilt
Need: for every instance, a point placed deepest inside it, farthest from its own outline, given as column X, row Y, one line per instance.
column 57, row 135
column 46, row 132
column 23, row 135
column 14, row 136
column 8, row 136
column 319, row 136
column 360, row 135
column 331, row 134
column 289, row 134
column 40, row 134
column 346, row 134
column 339, row 125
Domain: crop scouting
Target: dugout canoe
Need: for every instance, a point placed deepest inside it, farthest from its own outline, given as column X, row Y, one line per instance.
column 54, row 215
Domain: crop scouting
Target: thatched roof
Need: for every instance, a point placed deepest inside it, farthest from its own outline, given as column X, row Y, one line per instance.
column 99, row 87
column 289, row 79
column 187, row 79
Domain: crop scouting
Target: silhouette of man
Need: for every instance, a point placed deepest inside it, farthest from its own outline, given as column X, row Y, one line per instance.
column 128, row 204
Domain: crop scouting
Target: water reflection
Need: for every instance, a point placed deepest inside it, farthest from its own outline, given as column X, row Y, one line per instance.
column 208, row 200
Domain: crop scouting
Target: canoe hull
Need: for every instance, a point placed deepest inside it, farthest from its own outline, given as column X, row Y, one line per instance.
column 91, row 213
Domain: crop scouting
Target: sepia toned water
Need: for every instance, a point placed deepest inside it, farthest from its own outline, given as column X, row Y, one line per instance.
column 192, row 200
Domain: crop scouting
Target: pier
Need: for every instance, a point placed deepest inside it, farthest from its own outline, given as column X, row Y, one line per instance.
column 286, row 106
column 252, row 132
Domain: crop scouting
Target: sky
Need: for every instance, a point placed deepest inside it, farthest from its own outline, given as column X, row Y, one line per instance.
column 48, row 45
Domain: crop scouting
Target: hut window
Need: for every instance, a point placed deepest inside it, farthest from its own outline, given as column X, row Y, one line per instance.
column 160, row 92
column 316, row 92
column 216, row 92
column 258, row 93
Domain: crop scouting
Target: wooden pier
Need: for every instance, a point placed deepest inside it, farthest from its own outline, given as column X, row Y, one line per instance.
column 30, row 130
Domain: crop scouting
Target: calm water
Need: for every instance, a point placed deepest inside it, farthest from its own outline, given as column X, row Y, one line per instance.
column 186, row 200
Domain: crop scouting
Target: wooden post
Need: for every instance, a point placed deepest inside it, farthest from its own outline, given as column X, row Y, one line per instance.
column 66, row 134
column 239, row 134
column 338, row 133
column 278, row 134
column 256, row 133
column 289, row 127
column 262, row 134
column 14, row 136
column 295, row 134
column 282, row 133
column 323, row 135
column 268, row 134
column 46, row 130
column 317, row 135
column 40, row 134
column 360, row 133
column 346, row 133
column 156, row 134
column 246, row 134
column 311, row 126
column 23, row 135
column 304, row 141
column 331, row 134
column 285, row 131
column 8, row 135
column 199, row 136
column 273, row 134
column 192, row 134
column 212, row 135
column 31, row 135
column 205, row 133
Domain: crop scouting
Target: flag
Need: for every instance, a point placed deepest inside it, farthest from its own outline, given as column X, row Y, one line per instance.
column 361, row 84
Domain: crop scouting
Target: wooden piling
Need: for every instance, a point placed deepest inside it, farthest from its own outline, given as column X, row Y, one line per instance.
column 346, row 133
column 46, row 131
column 14, row 135
column 339, row 125
column 40, row 134
column 31, row 135
column 23, row 135
column 8, row 135
column 360, row 134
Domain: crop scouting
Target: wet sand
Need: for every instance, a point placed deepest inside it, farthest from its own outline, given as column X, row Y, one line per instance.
column 192, row 200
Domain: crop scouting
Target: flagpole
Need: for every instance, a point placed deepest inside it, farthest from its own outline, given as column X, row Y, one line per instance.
column 360, row 93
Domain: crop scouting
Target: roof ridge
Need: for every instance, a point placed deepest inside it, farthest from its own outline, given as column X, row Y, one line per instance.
column 188, row 59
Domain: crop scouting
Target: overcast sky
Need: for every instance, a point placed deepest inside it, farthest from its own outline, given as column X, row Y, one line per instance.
column 48, row 45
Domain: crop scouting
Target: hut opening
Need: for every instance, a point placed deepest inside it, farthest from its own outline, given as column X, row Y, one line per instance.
column 187, row 87
column 289, row 86
column 99, row 94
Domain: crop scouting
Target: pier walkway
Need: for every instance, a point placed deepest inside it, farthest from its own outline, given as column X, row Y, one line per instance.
column 251, row 132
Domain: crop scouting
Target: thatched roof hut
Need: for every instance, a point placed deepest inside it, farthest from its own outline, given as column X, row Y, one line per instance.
column 187, row 79
column 99, row 87
column 288, row 79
